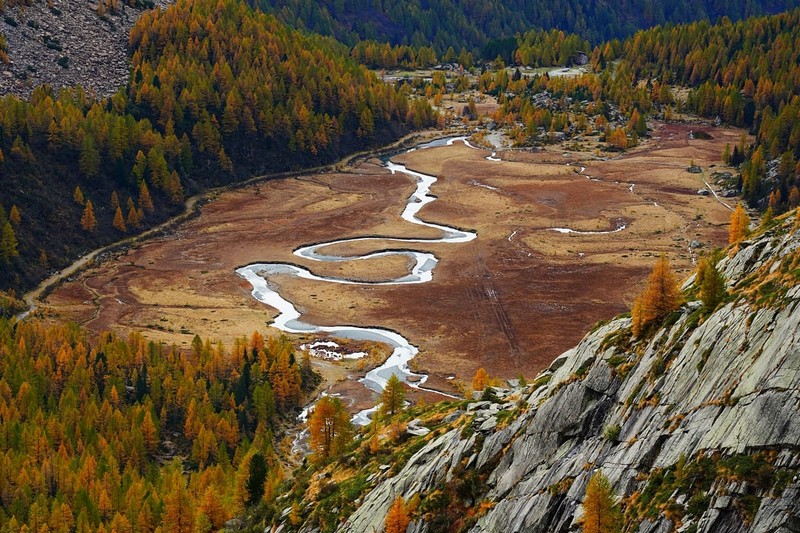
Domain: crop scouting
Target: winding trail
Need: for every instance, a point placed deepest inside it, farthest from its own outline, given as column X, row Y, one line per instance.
column 716, row 196
column 260, row 274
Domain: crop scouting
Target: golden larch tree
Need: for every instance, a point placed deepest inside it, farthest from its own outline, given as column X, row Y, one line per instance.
column 794, row 197
column 618, row 139
column 740, row 225
column 294, row 515
column 284, row 375
column 213, row 508
column 637, row 324
column 178, row 509
column 480, row 380
column 600, row 512
column 256, row 341
column 78, row 195
column 660, row 297
column 393, row 397
column 119, row 221
column 145, row 201
column 88, row 221
column 104, row 504
column 120, row 524
column 329, row 428
column 397, row 519
column 14, row 215
column 190, row 425
column 133, row 219
column 224, row 161
column 64, row 517
column 374, row 444
column 149, row 434
column 775, row 200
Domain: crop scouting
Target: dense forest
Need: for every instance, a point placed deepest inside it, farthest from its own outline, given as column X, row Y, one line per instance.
column 218, row 92
column 746, row 74
column 472, row 24
column 534, row 48
column 129, row 435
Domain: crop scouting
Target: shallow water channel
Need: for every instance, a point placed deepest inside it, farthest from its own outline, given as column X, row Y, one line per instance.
column 288, row 319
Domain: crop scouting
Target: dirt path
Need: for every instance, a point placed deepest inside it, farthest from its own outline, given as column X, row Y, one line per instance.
column 716, row 196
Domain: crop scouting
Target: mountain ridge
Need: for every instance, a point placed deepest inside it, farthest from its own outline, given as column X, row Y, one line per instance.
column 472, row 25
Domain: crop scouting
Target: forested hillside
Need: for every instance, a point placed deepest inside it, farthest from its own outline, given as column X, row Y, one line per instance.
column 471, row 24
column 130, row 435
column 218, row 92
column 746, row 73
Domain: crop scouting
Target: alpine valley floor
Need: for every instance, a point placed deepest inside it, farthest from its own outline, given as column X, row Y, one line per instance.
column 564, row 239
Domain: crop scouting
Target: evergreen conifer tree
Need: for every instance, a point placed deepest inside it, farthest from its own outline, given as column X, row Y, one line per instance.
column 660, row 297
column 600, row 512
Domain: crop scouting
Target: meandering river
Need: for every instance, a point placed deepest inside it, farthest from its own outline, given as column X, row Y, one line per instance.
column 260, row 275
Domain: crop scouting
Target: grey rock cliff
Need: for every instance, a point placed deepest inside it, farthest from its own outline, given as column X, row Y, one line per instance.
column 66, row 43
column 726, row 389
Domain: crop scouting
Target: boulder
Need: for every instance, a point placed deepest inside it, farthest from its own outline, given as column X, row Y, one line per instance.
column 415, row 428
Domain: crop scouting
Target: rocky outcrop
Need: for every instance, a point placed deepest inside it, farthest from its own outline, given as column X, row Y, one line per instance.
column 67, row 43
column 696, row 426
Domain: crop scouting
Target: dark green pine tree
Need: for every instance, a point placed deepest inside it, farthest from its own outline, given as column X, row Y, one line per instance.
column 256, row 478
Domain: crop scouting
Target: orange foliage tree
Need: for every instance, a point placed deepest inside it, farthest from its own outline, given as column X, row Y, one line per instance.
column 145, row 200
column 178, row 508
column 618, row 139
column 480, row 380
column 88, row 221
column 330, row 430
column 119, row 221
column 600, row 512
column 740, row 225
column 397, row 519
column 660, row 297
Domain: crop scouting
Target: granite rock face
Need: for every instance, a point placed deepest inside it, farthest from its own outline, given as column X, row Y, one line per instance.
column 723, row 386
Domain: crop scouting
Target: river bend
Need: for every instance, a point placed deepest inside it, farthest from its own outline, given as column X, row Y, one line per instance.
column 288, row 319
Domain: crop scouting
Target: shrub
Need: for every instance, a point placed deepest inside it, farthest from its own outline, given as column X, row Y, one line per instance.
column 611, row 433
